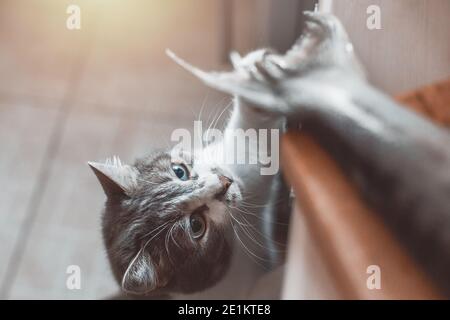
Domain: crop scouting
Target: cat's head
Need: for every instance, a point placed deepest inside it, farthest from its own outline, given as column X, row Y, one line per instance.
column 166, row 224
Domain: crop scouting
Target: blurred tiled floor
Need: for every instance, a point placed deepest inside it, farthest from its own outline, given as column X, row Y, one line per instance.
column 67, row 97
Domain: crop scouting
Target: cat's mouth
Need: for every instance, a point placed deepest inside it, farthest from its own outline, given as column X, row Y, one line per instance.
column 228, row 197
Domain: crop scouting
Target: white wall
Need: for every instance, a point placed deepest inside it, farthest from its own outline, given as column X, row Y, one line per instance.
column 411, row 49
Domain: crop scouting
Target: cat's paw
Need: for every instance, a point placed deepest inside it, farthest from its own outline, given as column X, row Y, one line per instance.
column 323, row 45
column 260, row 66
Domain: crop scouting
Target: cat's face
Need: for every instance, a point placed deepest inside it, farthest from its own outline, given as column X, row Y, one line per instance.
column 166, row 224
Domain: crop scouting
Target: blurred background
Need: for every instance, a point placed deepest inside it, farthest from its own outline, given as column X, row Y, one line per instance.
column 69, row 96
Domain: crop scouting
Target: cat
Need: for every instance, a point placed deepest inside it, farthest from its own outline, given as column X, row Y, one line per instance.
column 397, row 159
column 168, row 218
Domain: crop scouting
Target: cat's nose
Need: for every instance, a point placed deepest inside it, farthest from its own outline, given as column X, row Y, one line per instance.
column 225, row 181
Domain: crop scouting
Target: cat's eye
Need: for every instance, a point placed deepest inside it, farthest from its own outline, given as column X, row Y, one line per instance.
column 180, row 171
column 197, row 225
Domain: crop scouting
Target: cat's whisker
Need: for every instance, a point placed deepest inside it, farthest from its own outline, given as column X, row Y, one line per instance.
column 199, row 118
column 261, row 234
column 250, row 253
column 239, row 222
column 216, row 112
column 248, row 205
column 253, row 237
column 220, row 115
column 254, row 205
column 155, row 229
column 216, row 120
column 202, row 107
column 243, row 210
column 171, row 234
column 248, row 233
column 166, row 244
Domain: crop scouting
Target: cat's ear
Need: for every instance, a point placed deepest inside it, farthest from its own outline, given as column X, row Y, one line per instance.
column 141, row 276
column 236, row 82
column 116, row 178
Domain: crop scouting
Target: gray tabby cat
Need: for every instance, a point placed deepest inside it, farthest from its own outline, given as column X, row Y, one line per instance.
column 399, row 160
column 168, row 220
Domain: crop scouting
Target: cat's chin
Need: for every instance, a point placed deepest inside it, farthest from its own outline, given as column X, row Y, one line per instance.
column 229, row 198
column 233, row 195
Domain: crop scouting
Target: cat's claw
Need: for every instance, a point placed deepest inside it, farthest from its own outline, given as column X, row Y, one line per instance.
column 316, row 21
column 324, row 42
